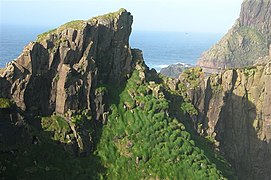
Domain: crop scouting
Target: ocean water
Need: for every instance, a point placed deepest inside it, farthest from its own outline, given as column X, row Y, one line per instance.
column 159, row 48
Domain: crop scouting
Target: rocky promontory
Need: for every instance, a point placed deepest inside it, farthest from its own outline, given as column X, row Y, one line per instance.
column 246, row 43
column 61, row 70
column 174, row 70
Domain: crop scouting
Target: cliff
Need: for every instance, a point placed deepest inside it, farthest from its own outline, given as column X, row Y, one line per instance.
column 79, row 103
column 61, row 70
column 80, row 90
column 233, row 111
column 246, row 43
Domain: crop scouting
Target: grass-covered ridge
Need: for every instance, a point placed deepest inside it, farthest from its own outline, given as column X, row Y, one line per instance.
column 141, row 141
column 79, row 24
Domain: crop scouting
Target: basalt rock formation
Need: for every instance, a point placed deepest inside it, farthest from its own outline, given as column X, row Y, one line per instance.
column 246, row 43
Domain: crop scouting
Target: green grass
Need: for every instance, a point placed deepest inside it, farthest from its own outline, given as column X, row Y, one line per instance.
column 107, row 16
column 141, row 140
column 58, row 126
column 148, row 142
column 79, row 24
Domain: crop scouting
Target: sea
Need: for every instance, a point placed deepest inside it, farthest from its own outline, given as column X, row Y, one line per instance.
column 160, row 49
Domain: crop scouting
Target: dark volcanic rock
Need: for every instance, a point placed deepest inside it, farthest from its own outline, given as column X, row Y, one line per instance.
column 246, row 43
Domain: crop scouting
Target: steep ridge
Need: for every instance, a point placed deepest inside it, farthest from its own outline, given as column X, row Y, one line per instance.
column 234, row 113
column 246, row 43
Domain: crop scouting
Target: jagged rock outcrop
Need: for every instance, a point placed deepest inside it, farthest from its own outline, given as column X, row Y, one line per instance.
column 175, row 70
column 234, row 109
column 60, row 71
column 246, row 43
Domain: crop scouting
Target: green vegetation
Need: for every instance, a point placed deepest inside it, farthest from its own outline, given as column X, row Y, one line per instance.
column 188, row 107
column 147, row 141
column 101, row 89
column 141, row 140
column 215, row 83
column 43, row 36
column 192, row 77
column 58, row 126
column 78, row 24
column 107, row 16
column 46, row 158
column 250, row 71
column 5, row 103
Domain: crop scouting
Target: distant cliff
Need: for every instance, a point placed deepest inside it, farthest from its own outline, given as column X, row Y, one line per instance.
column 175, row 70
column 246, row 43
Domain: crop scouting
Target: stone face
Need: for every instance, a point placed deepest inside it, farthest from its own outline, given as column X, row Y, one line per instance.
column 61, row 70
column 246, row 42
column 234, row 109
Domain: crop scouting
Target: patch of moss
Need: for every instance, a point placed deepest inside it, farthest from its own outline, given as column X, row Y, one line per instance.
column 58, row 126
column 215, row 84
column 188, row 107
column 5, row 103
column 101, row 89
column 107, row 16
column 43, row 36
column 249, row 71
column 192, row 77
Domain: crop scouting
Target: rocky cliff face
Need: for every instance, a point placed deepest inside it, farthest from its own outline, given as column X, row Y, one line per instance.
column 61, row 70
column 246, row 43
column 234, row 111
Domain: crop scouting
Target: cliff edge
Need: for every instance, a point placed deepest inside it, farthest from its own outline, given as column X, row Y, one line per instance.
column 60, row 71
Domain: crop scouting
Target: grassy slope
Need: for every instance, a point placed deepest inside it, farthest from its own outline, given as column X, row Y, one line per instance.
column 140, row 141
column 144, row 142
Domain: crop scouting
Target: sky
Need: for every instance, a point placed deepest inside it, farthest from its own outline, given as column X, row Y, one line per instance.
column 214, row 16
